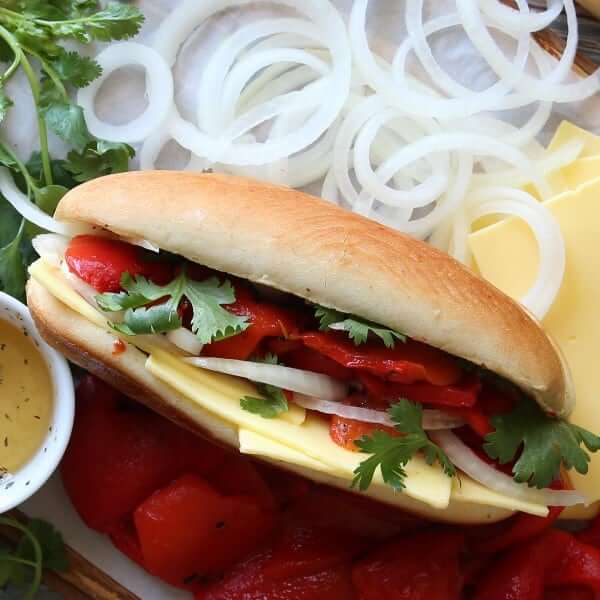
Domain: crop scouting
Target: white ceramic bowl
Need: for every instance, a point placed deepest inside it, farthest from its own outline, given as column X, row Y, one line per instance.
column 17, row 487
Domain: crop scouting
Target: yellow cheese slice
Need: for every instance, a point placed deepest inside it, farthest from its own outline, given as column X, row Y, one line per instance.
column 258, row 445
column 568, row 132
column 506, row 254
column 52, row 278
column 464, row 489
column 581, row 171
column 424, row 482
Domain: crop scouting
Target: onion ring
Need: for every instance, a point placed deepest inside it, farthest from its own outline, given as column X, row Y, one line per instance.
column 159, row 83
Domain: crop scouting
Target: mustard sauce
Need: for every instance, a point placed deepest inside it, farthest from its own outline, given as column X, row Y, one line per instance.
column 25, row 398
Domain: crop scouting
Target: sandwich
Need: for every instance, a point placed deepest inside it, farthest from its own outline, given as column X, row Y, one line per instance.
column 289, row 329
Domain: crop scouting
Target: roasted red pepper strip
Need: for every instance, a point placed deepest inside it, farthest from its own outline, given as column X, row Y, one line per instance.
column 101, row 262
column 405, row 363
column 344, row 432
column 268, row 320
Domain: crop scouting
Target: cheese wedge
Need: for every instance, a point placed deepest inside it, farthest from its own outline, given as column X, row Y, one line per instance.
column 573, row 320
column 568, row 132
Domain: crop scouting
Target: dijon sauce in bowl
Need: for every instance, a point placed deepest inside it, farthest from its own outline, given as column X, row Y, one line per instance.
column 36, row 405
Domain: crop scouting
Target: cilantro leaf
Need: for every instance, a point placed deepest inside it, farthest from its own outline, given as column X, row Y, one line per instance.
column 327, row 316
column 206, row 298
column 391, row 454
column 76, row 70
column 98, row 158
column 210, row 322
column 358, row 329
column 545, row 443
column 273, row 402
column 116, row 22
column 67, row 121
column 51, row 543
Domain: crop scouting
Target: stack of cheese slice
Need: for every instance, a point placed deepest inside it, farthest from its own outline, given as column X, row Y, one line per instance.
column 573, row 320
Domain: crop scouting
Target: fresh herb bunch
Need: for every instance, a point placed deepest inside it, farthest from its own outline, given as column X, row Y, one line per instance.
column 358, row 329
column 32, row 34
column 273, row 402
column 41, row 547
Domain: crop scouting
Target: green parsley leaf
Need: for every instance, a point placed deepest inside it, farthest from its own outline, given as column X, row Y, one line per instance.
column 391, row 454
column 76, row 70
column 98, row 158
column 358, row 329
column 210, row 322
column 544, row 442
column 273, row 402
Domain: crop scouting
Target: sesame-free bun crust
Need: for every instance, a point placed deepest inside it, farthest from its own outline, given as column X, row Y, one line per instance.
column 300, row 244
column 92, row 348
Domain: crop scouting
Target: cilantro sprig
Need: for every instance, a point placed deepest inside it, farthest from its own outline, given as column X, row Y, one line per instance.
column 542, row 444
column 40, row 547
column 210, row 322
column 32, row 36
column 391, row 454
column 358, row 329
column 273, row 402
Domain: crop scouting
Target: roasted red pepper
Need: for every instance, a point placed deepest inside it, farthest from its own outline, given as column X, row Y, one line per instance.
column 189, row 532
column 100, row 262
column 302, row 564
column 268, row 320
column 117, row 454
column 554, row 560
column 407, row 362
column 424, row 566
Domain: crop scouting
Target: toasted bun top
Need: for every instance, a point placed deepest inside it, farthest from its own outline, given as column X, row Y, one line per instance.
column 299, row 244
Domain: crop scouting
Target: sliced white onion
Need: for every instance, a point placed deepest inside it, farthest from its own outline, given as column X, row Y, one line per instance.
column 183, row 338
column 517, row 20
column 190, row 14
column 467, row 461
column 50, row 246
column 29, row 211
column 159, row 82
column 432, row 419
column 287, row 378
column 548, row 88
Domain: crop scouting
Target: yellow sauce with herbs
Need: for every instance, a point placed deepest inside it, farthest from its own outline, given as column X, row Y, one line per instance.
column 25, row 398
